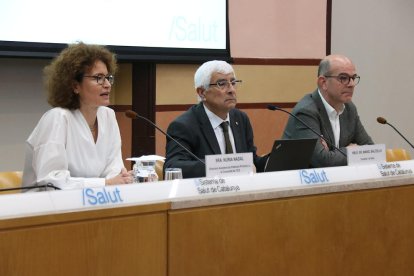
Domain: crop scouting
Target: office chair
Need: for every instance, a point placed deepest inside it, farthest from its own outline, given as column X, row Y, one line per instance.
column 12, row 179
column 159, row 169
column 397, row 155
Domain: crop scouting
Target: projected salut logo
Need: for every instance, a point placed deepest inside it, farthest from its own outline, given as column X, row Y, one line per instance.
column 183, row 29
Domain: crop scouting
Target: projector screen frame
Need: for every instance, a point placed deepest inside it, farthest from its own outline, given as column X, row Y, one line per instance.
column 19, row 49
column 15, row 49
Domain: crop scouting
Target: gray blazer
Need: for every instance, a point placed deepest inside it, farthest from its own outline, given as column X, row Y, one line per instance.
column 312, row 111
column 193, row 129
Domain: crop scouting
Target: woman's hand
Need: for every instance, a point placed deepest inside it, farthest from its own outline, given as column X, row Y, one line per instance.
column 125, row 177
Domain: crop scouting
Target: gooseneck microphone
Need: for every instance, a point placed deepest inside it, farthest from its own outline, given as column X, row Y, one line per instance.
column 382, row 120
column 49, row 185
column 274, row 108
column 133, row 115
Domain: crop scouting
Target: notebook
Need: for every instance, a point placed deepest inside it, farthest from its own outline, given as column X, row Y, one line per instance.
column 290, row 154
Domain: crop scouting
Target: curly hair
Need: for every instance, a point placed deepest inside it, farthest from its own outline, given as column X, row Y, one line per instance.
column 68, row 68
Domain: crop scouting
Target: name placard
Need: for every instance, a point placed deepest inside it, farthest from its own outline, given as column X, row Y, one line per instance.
column 216, row 185
column 49, row 202
column 229, row 164
column 395, row 168
column 367, row 154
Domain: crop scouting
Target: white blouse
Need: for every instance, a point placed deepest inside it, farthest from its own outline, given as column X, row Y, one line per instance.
column 61, row 150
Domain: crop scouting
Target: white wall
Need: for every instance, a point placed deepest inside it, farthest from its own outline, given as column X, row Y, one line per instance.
column 378, row 35
column 22, row 103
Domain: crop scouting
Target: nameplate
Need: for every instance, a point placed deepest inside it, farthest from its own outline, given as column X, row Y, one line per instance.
column 275, row 180
column 49, row 202
column 395, row 168
column 102, row 196
column 110, row 196
column 229, row 164
column 367, row 154
column 209, row 186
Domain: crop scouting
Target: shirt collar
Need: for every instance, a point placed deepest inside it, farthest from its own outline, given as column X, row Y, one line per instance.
column 214, row 119
column 329, row 109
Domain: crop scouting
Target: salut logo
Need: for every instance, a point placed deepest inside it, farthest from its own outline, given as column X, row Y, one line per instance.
column 184, row 29
column 101, row 196
column 313, row 176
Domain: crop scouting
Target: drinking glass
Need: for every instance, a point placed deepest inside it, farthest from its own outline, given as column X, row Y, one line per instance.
column 173, row 173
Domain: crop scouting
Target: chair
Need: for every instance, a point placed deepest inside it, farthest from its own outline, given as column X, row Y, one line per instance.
column 159, row 169
column 397, row 155
column 11, row 179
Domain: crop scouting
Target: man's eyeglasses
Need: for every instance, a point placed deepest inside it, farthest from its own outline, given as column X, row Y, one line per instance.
column 100, row 79
column 345, row 78
column 225, row 84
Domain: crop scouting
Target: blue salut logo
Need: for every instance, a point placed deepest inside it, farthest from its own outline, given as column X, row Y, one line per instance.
column 313, row 177
column 101, row 196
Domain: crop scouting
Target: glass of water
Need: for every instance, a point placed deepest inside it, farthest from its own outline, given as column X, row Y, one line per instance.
column 173, row 173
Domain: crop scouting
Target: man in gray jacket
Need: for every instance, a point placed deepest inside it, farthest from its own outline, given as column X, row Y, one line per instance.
column 330, row 112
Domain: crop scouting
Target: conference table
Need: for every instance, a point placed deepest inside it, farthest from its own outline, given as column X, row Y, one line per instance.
column 351, row 220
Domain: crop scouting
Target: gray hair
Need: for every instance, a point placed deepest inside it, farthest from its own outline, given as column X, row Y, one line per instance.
column 324, row 67
column 202, row 76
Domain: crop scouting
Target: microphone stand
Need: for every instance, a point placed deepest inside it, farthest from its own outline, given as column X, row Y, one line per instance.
column 132, row 114
column 273, row 108
column 400, row 134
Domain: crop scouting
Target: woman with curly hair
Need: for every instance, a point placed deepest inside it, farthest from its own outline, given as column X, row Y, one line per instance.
column 77, row 143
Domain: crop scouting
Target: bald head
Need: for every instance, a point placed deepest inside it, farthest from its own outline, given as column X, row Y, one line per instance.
column 337, row 78
column 331, row 62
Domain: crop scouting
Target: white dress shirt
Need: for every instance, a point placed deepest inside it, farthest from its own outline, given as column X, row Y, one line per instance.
column 62, row 151
column 215, row 123
column 333, row 118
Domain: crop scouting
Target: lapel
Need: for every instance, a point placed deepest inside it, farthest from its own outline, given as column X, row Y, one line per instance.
column 206, row 128
column 344, row 125
column 326, row 127
column 236, row 129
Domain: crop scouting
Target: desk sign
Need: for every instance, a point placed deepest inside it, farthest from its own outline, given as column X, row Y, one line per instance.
column 395, row 168
column 229, row 164
column 368, row 154
column 214, row 186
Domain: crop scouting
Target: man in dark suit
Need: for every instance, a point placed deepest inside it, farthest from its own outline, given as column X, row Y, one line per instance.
column 202, row 129
column 330, row 111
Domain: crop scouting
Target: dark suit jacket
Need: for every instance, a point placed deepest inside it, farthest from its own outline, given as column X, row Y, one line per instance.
column 193, row 129
column 312, row 111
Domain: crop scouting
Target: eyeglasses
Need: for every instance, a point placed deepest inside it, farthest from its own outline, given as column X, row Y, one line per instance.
column 345, row 78
column 225, row 84
column 100, row 79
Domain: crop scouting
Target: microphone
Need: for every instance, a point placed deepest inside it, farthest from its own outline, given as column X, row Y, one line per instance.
column 274, row 107
column 384, row 122
column 133, row 115
column 49, row 185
